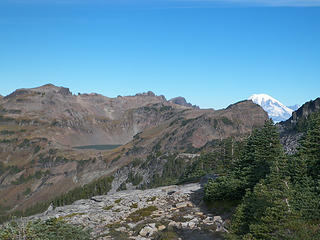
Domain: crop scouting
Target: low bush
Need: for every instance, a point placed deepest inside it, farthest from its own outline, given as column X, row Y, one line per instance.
column 51, row 229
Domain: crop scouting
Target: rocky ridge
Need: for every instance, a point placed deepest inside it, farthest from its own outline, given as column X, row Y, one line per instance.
column 137, row 214
column 292, row 130
column 182, row 101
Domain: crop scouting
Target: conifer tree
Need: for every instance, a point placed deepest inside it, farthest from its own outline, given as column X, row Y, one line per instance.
column 310, row 147
column 261, row 150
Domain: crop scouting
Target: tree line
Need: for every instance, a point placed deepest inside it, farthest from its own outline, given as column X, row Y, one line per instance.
column 279, row 194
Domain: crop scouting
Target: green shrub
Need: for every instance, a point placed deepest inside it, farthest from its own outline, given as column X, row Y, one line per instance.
column 108, row 207
column 51, row 229
column 122, row 187
column 223, row 188
column 166, row 235
column 226, row 121
column 27, row 192
column 134, row 205
column 135, row 179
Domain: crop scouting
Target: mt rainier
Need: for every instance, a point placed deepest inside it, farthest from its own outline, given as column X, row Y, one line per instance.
column 275, row 109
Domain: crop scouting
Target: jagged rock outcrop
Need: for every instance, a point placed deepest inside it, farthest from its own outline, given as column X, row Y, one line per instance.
column 292, row 130
column 182, row 101
column 304, row 111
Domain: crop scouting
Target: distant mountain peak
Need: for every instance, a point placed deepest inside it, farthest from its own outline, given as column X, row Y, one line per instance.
column 182, row 101
column 294, row 107
column 276, row 110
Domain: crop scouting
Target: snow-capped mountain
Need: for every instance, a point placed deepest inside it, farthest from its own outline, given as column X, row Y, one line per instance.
column 275, row 109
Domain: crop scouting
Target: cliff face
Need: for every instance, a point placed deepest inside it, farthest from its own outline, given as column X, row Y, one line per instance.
column 39, row 128
column 293, row 129
column 304, row 111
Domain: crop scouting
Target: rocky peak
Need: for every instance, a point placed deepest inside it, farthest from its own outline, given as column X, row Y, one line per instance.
column 290, row 135
column 305, row 110
column 48, row 88
column 16, row 93
column 149, row 93
column 182, row 101
column 52, row 88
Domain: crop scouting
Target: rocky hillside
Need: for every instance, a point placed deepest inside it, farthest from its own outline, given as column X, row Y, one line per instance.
column 293, row 129
column 162, row 213
column 40, row 127
column 85, row 119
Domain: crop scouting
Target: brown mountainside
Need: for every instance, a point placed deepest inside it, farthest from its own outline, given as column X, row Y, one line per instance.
column 40, row 126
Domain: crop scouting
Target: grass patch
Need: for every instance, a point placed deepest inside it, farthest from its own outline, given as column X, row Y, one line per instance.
column 226, row 121
column 119, row 235
column 115, row 159
column 118, row 201
column 70, row 215
column 108, row 207
column 134, row 205
column 179, row 217
column 142, row 213
column 136, row 162
column 122, row 187
column 114, row 225
column 27, row 192
column 152, row 199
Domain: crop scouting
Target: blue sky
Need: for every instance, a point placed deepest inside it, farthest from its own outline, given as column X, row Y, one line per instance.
column 213, row 52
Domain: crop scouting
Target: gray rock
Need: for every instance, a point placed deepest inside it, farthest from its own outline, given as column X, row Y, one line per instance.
column 96, row 213
column 147, row 231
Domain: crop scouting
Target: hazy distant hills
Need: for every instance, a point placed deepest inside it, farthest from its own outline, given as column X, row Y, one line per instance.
column 294, row 107
column 40, row 126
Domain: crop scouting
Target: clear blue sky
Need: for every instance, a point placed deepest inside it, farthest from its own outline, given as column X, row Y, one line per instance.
column 212, row 52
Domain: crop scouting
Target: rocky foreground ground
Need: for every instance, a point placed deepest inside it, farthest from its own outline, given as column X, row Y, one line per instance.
column 171, row 212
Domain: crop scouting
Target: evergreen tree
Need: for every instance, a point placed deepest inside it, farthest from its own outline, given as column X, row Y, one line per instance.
column 304, row 170
column 261, row 150
column 310, row 147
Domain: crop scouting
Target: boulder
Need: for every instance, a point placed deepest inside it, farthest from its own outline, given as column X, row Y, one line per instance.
column 161, row 227
column 208, row 221
column 149, row 230
column 181, row 205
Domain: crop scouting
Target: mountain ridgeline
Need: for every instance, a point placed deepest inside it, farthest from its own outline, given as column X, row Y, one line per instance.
column 56, row 148
column 45, row 133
